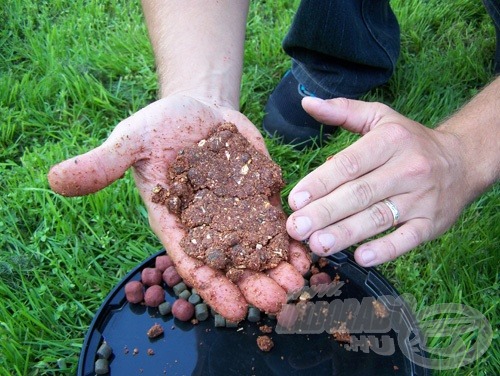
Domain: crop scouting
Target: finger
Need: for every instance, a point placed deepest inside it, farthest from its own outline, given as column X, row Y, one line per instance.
column 367, row 223
column 401, row 240
column 221, row 294
column 287, row 277
column 354, row 115
column 366, row 154
column 96, row 169
column 353, row 197
column 226, row 298
column 288, row 316
column 216, row 290
column 299, row 257
column 262, row 292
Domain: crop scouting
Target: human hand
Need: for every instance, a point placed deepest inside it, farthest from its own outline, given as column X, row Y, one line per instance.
column 149, row 141
column 341, row 203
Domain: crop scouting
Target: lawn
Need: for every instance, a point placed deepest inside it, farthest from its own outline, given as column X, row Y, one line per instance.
column 71, row 70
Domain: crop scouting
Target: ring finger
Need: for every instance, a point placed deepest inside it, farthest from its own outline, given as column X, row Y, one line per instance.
column 347, row 200
column 377, row 218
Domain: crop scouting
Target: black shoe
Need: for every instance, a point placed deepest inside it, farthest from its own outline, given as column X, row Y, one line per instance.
column 285, row 118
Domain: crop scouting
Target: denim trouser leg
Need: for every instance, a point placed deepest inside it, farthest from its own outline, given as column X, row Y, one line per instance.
column 343, row 48
column 493, row 8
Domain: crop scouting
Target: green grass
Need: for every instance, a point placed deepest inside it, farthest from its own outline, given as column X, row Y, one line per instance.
column 71, row 70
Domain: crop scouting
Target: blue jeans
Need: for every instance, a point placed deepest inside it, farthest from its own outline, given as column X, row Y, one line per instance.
column 493, row 8
column 345, row 48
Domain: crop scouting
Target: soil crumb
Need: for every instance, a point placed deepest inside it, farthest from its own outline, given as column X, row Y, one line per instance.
column 341, row 333
column 266, row 329
column 155, row 331
column 265, row 343
column 380, row 310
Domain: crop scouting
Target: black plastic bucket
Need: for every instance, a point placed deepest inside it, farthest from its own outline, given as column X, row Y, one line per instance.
column 380, row 348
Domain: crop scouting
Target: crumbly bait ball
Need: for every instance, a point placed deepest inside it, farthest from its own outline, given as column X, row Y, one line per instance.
column 341, row 333
column 323, row 262
column 134, row 292
column 220, row 189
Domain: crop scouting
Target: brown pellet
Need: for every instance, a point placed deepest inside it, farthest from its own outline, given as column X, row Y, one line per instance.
column 134, row 292
column 171, row 277
column 163, row 262
column 151, row 276
column 182, row 310
column 154, row 296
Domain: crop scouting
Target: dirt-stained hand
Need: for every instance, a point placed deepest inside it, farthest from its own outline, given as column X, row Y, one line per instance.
column 148, row 141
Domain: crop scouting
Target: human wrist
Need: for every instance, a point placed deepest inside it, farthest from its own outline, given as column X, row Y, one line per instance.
column 475, row 161
column 198, row 47
column 476, row 127
column 211, row 88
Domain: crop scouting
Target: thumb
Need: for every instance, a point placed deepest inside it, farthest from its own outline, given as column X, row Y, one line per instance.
column 96, row 169
column 353, row 115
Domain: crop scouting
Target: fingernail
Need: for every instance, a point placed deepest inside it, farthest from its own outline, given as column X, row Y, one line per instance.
column 327, row 241
column 301, row 198
column 368, row 256
column 302, row 225
column 313, row 99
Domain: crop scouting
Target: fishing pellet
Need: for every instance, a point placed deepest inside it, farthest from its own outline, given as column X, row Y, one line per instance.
column 163, row 262
column 219, row 321
column 186, row 294
column 154, row 296
column 201, row 311
column 171, row 277
column 231, row 324
column 101, row 367
column 253, row 314
column 151, row 276
column 104, row 351
column 178, row 288
column 182, row 310
column 165, row 308
column 194, row 298
column 134, row 292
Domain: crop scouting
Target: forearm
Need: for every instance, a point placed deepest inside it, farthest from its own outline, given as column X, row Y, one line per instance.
column 198, row 47
column 477, row 128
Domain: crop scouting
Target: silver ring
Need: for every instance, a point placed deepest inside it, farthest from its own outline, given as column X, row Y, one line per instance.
column 394, row 211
